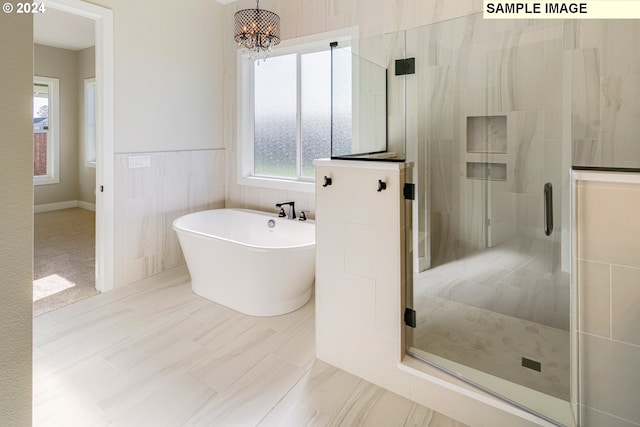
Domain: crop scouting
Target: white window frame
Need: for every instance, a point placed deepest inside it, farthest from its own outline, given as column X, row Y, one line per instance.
column 90, row 130
column 53, row 136
column 245, row 108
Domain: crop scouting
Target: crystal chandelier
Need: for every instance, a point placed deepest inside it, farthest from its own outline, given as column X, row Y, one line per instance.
column 257, row 31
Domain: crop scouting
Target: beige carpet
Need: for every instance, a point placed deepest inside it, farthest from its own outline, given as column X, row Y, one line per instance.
column 64, row 258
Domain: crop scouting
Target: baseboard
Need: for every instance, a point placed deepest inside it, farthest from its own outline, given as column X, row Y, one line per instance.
column 64, row 205
column 86, row 205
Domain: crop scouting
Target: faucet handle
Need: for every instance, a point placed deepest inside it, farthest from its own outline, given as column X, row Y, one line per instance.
column 282, row 213
column 303, row 215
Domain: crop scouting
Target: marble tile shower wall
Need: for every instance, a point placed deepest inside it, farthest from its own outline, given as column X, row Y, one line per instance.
column 148, row 199
column 608, row 277
column 606, row 83
column 474, row 68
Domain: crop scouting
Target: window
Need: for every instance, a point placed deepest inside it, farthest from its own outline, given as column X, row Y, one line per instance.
column 292, row 108
column 90, row 122
column 46, row 153
column 285, row 115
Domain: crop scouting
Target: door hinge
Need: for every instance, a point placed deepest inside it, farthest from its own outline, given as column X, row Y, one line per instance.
column 409, row 191
column 410, row 317
column 405, row 66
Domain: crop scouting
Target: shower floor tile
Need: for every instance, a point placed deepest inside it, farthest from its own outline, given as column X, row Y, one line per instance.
column 491, row 308
column 495, row 343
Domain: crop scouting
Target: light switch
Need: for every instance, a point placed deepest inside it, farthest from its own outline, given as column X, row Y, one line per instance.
column 139, row 162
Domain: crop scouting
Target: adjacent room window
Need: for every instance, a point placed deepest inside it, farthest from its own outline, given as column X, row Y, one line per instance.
column 46, row 140
column 90, row 122
column 285, row 115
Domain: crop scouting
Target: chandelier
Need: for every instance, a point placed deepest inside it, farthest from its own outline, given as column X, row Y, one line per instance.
column 257, row 31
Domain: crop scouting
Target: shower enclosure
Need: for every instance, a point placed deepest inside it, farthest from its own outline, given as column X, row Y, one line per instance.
column 491, row 290
column 494, row 114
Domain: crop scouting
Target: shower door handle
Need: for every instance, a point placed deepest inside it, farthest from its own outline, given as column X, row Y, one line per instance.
column 548, row 209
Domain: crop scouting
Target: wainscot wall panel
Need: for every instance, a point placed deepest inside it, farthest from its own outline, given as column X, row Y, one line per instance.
column 148, row 199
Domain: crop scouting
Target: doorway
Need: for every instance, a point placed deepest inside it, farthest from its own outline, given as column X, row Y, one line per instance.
column 101, row 239
column 64, row 163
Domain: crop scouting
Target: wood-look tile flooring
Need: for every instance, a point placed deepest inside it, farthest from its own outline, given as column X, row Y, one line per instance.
column 155, row 354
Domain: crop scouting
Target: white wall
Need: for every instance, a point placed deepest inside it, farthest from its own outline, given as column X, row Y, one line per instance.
column 16, row 218
column 168, row 74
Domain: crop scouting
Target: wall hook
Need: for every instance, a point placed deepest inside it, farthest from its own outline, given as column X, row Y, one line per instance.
column 327, row 181
column 381, row 185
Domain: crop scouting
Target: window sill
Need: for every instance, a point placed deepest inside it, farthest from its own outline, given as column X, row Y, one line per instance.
column 45, row 180
column 278, row 184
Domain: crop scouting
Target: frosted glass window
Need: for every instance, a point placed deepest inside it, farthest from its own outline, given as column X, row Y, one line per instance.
column 315, row 109
column 292, row 113
column 275, row 126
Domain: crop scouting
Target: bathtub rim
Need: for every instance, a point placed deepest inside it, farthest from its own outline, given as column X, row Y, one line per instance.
column 305, row 246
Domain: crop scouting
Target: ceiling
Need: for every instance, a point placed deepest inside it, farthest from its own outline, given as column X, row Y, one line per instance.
column 63, row 30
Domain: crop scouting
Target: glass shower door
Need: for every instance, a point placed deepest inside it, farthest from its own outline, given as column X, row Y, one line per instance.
column 491, row 289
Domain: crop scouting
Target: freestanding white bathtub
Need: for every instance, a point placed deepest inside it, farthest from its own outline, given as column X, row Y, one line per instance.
column 251, row 261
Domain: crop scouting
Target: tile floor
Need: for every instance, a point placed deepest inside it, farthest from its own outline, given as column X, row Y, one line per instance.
column 495, row 344
column 155, row 354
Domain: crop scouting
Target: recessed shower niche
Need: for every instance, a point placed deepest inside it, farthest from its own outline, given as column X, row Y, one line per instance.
column 487, row 134
column 488, row 171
